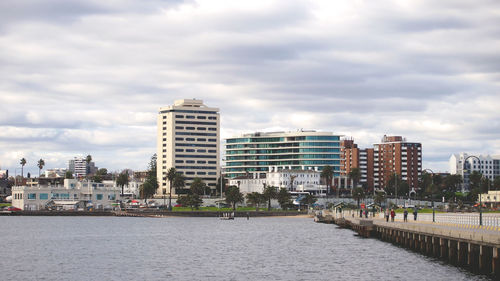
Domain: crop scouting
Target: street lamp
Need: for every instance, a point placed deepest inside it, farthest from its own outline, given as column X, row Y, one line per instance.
column 480, row 201
column 432, row 194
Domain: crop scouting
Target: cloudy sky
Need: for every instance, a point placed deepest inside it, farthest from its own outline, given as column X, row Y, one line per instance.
column 88, row 76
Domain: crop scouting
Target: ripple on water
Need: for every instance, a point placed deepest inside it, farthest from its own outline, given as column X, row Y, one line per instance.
column 108, row 248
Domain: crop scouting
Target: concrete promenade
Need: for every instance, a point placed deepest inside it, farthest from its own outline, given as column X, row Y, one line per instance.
column 474, row 247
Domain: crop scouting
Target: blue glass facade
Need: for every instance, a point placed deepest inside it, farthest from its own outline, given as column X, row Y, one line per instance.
column 302, row 150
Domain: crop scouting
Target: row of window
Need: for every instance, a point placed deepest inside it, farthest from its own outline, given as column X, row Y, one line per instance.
column 59, row 196
column 193, row 139
column 193, row 128
column 286, row 156
column 285, row 163
column 195, row 156
column 192, row 162
column 195, row 123
column 280, row 151
column 281, row 139
column 195, row 144
column 195, row 134
column 189, row 111
column 288, row 144
column 196, row 150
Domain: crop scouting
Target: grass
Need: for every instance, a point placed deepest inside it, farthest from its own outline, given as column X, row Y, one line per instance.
column 2, row 205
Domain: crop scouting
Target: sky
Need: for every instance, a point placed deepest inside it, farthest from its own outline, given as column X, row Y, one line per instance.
column 88, row 76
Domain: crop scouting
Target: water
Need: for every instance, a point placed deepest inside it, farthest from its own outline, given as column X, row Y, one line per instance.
column 111, row 248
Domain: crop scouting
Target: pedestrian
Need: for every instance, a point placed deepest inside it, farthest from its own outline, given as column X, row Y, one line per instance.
column 405, row 215
column 248, row 215
column 360, row 213
column 415, row 213
column 393, row 214
column 387, row 214
column 366, row 213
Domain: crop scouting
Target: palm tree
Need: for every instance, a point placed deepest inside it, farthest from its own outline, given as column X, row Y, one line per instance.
column 88, row 159
column 122, row 180
column 23, row 162
column 270, row 192
column 355, row 175
column 171, row 173
column 41, row 163
column 327, row 174
column 358, row 193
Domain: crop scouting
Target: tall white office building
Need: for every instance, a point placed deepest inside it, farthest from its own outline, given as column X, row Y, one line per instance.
column 188, row 140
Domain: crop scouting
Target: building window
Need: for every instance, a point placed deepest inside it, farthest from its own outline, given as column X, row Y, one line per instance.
column 189, row 139
column 212, row 140
column 212, row 129
column 44, row 196
column 202, row 150
column 189, row 128
column 190, row 117
column 179, row 150
column 179, row 116
column 201, row 129
column 201, row 117
column 179, row 128
column 200, row 139
column 98, row 196
column 179, row 139
column 31, row 196
column 212, row 118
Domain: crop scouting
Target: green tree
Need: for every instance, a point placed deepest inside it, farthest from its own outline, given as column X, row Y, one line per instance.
column 284, row 198
column 255, row 199
column 122, row 180
column 358, row 193
column 379, row 198
column 485, row 184
column 355, row 175
column 150, row 185
column 270, row 192
column 475, row 179
column 68, row 175
column 234, row 196
column 308, row 200
column 40, row 165
column 218, row 190
column 102, row 172
column 171, row 175
column 88, row 159
column 496, row 183
column 193, row 201
column 198, row 186
column 23, row 162
column 452, row 182
column 97, row 178
column 327, row 174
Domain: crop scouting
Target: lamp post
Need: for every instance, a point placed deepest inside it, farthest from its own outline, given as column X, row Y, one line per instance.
column 432, row 194
column 480, row 201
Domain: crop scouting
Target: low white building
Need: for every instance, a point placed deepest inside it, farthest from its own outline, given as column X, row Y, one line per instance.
column 290, row 179
column 250, row 183
column 74, row 194
column 491, row 199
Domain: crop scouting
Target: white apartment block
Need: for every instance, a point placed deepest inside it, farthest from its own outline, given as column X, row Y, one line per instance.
column 79, row 167
column 71, row 195
column 188, row 139
column 463, row 164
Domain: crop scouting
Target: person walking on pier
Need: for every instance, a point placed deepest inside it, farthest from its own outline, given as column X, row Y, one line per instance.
column 361, row 213
column 405, row 215
column 387, row 214
column 393, row 214
column 415, row 213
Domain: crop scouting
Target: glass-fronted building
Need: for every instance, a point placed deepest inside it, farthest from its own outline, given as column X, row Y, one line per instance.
column 256, row 152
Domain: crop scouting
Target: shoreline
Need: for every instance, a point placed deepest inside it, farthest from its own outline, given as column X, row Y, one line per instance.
column 159, row 214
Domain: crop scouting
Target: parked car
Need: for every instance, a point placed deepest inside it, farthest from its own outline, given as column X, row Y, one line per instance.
column 12, row 209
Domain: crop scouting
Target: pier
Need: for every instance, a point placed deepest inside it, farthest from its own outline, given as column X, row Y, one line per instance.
column 472, row 247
